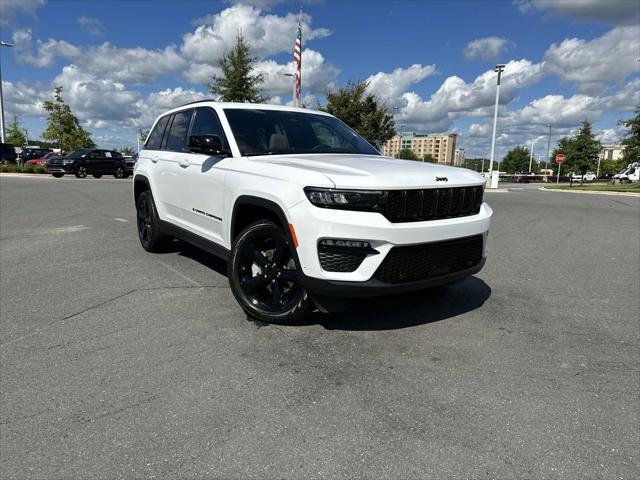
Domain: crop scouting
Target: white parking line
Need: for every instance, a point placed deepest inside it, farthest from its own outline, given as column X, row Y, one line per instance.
column 120, row 219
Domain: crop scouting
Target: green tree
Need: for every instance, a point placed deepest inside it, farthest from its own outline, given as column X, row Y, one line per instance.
column 631, row 143
column 362, row 111
column 581, row 152
column 517, row 160
column 406, row 154
column 127, row 151
column 63, row 126
column 238, row 83
column 429, row 158
column 476, row 164
column 15, row 135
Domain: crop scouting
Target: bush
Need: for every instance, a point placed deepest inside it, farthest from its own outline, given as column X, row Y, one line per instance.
column 32, row 168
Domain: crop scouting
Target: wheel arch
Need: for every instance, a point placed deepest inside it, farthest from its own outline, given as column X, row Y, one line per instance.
column 140, row 184
column 248, row 209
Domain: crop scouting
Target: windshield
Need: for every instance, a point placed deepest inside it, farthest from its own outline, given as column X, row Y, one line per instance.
column 276, row 132
column 79, row 153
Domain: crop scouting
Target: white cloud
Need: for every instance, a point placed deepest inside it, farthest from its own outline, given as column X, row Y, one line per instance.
column 95, row 100
column 11, row 9
column 390, row 86
column 317, row 75
column 487, row 48
column 91, row 25
column 456, row 98
column 267, row 34
column 24, row 99
column 611, row 57
column 128, row 65
column 158, row 102
column 609, row 11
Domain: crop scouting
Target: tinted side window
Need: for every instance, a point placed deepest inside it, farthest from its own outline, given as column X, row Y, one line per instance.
column 206, row 122
column 155, row 137
column 177, row 139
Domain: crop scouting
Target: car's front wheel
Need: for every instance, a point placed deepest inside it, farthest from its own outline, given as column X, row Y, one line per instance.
column 81, row 171
column 118, row 172
column 263, row 275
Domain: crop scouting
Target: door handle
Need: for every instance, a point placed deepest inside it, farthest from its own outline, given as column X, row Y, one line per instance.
column 184, row 162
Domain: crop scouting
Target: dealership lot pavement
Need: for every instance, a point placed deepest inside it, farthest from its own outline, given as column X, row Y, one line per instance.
column 118, row 363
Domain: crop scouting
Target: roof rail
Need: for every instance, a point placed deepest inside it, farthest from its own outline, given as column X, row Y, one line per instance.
column 199, row 101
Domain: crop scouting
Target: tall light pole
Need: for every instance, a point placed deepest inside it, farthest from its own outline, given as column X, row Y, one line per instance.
column 2, row 44
column 531, row 154
column 494, row 183
column 293, row 95
column 546, row 166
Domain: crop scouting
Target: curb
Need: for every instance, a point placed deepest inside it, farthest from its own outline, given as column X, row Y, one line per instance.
column 592, row 192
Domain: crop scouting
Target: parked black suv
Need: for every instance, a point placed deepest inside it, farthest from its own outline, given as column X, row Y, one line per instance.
column 31, row 153
column 86, row 161
column 7, row 153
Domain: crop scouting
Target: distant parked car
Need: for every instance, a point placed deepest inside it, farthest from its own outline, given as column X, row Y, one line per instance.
column 89, row 161
column 7, row 153
column 43, row 160
column 587, row 177
column 130, row 161
column 30, row 153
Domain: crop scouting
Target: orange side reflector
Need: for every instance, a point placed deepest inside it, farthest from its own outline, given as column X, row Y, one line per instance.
column 293, row 235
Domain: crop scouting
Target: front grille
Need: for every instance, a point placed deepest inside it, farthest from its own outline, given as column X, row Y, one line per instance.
column 431, row 204
column 55, row 162
column 429, row 260
column 340, row 260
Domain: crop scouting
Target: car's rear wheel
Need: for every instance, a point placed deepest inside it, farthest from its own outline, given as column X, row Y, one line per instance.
column 118, row 172
column 263, row 275
column 81, row 171
column 58, row 175
column 148, row 221
column 97, row 175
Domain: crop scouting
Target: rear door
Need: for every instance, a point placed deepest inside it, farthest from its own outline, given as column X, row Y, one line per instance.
column 167, row 170
column 93, row 161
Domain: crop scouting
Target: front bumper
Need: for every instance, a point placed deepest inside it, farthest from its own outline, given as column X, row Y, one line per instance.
column 60, row 168
column 312, row 224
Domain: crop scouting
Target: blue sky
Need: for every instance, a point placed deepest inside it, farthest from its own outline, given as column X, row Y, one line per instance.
column 122, row 63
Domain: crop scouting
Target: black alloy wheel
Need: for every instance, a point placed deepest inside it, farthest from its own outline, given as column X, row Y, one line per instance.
column 119, row 172
column 148, row 222
column 264, row 277
column 81, row 171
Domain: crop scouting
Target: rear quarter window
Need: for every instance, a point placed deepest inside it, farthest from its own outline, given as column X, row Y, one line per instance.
column 155, row 137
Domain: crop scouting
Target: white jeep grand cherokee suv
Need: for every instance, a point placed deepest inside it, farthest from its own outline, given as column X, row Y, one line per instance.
column 305, row 211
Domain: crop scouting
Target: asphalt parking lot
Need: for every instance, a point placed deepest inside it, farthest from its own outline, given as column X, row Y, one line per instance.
column 119, row 363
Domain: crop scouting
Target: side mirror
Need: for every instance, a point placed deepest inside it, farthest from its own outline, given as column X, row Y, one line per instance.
column 207, row 144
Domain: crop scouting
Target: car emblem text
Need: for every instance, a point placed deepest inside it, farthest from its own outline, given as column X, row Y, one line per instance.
column 442, row 179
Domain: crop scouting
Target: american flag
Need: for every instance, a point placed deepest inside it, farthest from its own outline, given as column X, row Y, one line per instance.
column 297, row 58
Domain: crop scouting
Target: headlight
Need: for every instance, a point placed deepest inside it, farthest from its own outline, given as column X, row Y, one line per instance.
column 343, row 199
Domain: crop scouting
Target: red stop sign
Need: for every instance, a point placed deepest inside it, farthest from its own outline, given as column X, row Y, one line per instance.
column 560, row 158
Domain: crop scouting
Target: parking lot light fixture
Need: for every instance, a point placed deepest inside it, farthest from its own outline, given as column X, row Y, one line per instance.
column 2, row 44
column 499, row 69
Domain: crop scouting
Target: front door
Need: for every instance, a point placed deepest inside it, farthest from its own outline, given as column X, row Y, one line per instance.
column 200, row 192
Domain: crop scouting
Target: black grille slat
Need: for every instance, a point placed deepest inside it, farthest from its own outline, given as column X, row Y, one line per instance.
column 430, row 260
column 340, row 260
column 432, row 203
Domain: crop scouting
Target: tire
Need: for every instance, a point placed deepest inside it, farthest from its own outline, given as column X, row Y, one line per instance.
column 97, row 175
column 58, row 175
column 126, row 175
column 81, row 171
column 118, row 172
column 263, row 275
column 148, row 222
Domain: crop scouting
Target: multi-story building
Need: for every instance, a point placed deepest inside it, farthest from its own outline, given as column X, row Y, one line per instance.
column 440, row 147
column 611, row 152
column 458, row 157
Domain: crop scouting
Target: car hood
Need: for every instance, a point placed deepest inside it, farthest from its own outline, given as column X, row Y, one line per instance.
column 372, row 171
